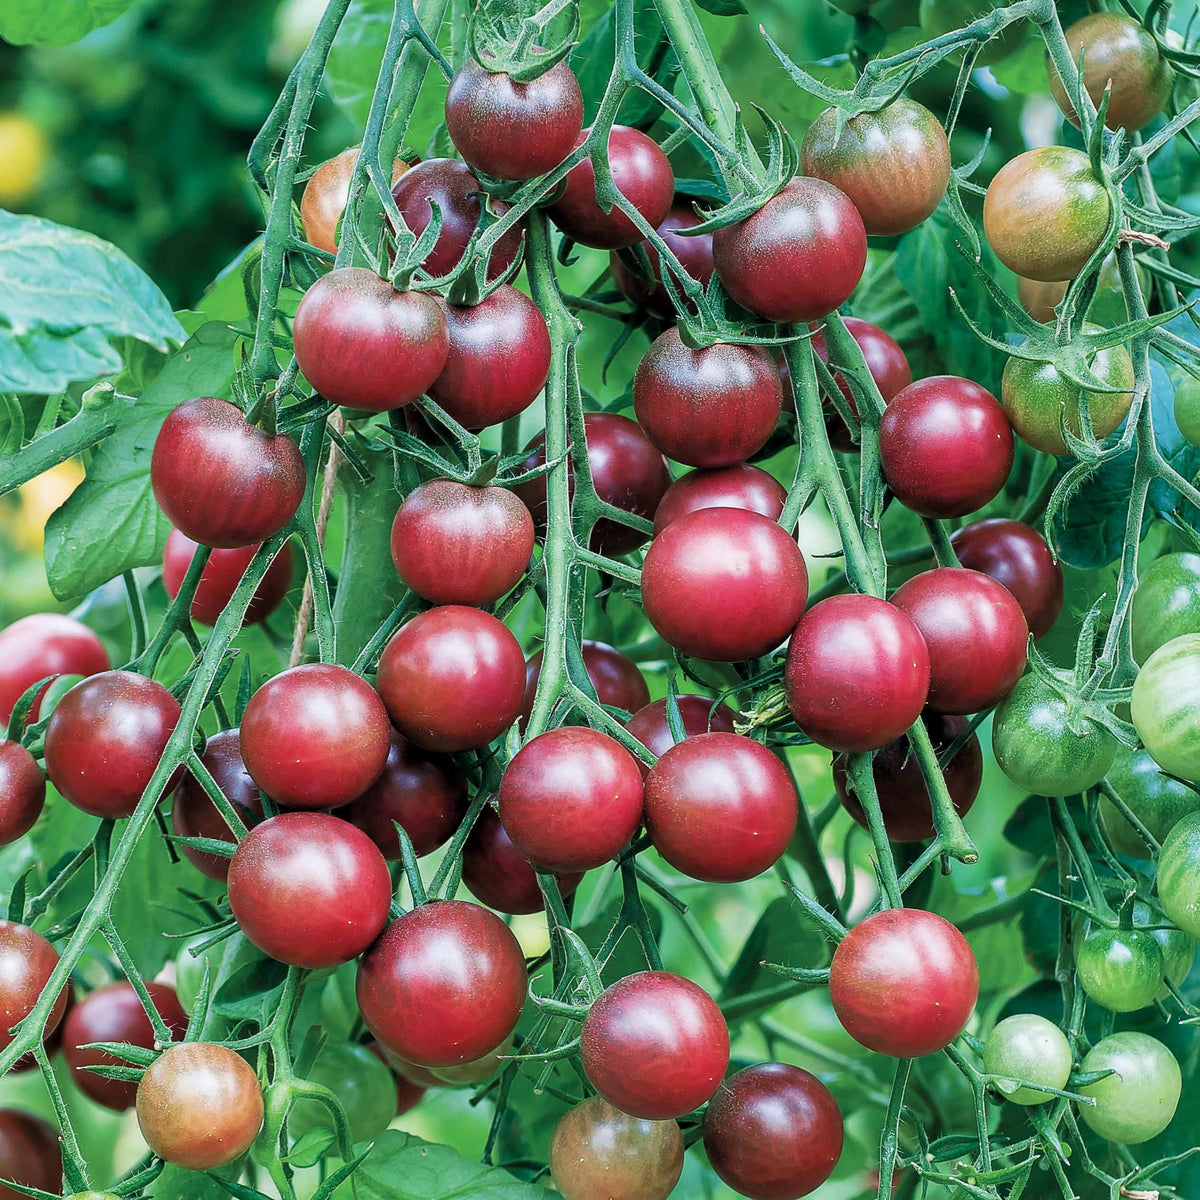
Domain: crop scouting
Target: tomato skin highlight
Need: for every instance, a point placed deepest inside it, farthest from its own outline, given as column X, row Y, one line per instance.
column 694, row 254
column 698, row 714
column 1026, row 1046
column 29, row 1154
column 1138, row 1101
column 615, row 677
column 1164, row 706
column 26, row 963
column 22, row 792
column 1166, row 604
column 740, row 486
column 220, row 577
column 43, row 644
column 1123, row 969
column 1179, row 875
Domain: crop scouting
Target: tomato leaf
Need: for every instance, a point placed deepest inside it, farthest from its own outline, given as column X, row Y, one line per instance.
column 781, row 935
column 403, row 1167
column 592, row 62
column 56, row 22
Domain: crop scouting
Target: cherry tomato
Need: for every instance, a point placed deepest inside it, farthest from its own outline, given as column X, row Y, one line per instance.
column 30, row 1154
column 1187, row 409
column 513, row 130
column 22, row 792
column 40, row 645
column 724, row 584
column 1138, row 1100
column 1028, row 1048
column 698, row 714
column 655, row 1045
column 739, row 486
column 946, row 446
column 1165, row 709
column 408, row 1093
column 773, row 1132
column 571, row 798
column 894, row 164
column 444, row 985
column 1123, row 969
column 309, row 889
column 904, row 982
column 642, row 175
column 315, row 736
column 220, row 577
column 199, row 1106
column 694, row 254
column 1166, row 604
column 325, row 194
column 615, row 677
column 470, row 1073
column 221, row 481
column 710, row 407
column 857, row 673
column 720, row 807
column 1156, row 799
column 1179, row 874
column 105, row 738
column 1178, row 948
column 796, row 259
column 26, row 961
column 363, row 1085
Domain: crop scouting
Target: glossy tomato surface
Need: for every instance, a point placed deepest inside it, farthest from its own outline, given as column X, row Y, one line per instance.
column 694, row 255
column 740, row 486
column 697, row 714
column 1166, row 604
column 1138, row 1100
column 1123, row 969
column 22, row 791
column 40, row 645
column 30, row 1154
column 1164, row 706
column 1158, row 801
column 221, row 574
column 26, row 962
column 1027, row 1047
column 325, row 194
column 1179, row 874
column 615, row 677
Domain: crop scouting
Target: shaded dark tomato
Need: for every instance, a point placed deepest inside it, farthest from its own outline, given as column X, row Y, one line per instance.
column 115, row 1014
column 309, row 889
column 444, row 985
column 361, row 343
column 452, row 678
column 694, row 254
column 655, row 1045
column 325, row 194
column 900, row 784
column 513, row 130
column 425, row 794
column 104, row 739
column 220, row 480
column 459, row 197
column 29, row 1154
column 408, row 1093
column 739, row 486
column 193, row 814
column 975, row 632
column 711, row 407
column 796, row 259
column 904, row 982
column 220, row 577
column 571, row 799
column 773, row 1132
column 641, row 173
column 857, row 673
column 1018, row 557
column 720, row 807
column 724, row 584
column 315, row 736
column 698, row 714
column 945, row 446
column 615, row 676
column 627, row 472
column 22, row 791
column 44, row 644
column 26, row 962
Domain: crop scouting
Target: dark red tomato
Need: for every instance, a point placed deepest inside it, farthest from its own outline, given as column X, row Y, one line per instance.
column 655, row 1045
column 408, row 1093
column 904, row 982
column 222, row 481
column 975, row 632
column 315, row 736
column 627, row 472
column 455, row 544
column 615, row 676
column 40, row 645
column 641, row 173
column 739, row 486
column 221, row 575
column 498, row 874
column 571, row 799
column 325, row 194
column 444, row 985
column 105, row 738
column 29, row 1154
column 946, row 446
column 309, row 889
column 115, row 1014
column 452, row 678
column 498, row 360
column 513, row 130
column 26, row 962
column 698, row 714
column 724, row 584
column 22, row 791
column 1018, row 557
column 694, row 254
column 425, row 794
column 773, row 1132
column 900, row 784
column 361, row 343
column 720, row 807
column 708, row 408
column 857, row 673
column 459, row 197
column 796, row 259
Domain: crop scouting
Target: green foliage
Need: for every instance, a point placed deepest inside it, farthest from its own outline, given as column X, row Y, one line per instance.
column 56, row 22
column 403, row 1167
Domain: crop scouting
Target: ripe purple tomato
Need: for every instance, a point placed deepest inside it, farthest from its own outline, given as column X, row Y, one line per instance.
column 452, row 678
column 857, row 673
column 616, row 678
column 694, row 253
column 444, row 985
column 571, row 799
column 699, row 714
column 309, row 889
column 724, row 584
column 26, row 963
column 105, row 738
column 739, row 486
column 40, row 645
column 22, row 791
column 220, row 480
column 720, row 807
column 315, row 736
column 220, row 577
column 29, row 1154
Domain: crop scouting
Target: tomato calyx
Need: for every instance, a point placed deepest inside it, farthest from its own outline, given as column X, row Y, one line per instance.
column 522, row 44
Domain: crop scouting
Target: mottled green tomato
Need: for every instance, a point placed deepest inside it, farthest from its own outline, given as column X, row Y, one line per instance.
column 941, row 16
column 1157, row 800
column 1138, row 1101
column 361, row 1082
column 1045, row 213
column 1187, row 409
column 1165, row 706
column 1179, row 875
column 1122, row 969
column 1178, row 948
column 1166, row 604
column 1027, row 1048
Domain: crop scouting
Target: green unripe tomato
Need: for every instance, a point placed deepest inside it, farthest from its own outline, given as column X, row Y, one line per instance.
column 1187, row 409
column 1122, row 969
column 1178, row 948
column 1165, row 706
column 1030, row 1048
column 360, row 1081
column 1179, row 875
column 1166, row 604
column 1138, row 1101
column 1157, row 800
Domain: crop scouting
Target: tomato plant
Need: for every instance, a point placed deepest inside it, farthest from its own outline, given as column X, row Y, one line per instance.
column 220, row 576
column 615, row 678
column 362, row 1084
column 694, row 255
column 22, row 791
column 1122, row 969
column 1164, row 708
column 1166, row 604
column 29, row 1153
column 1027, row 1049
